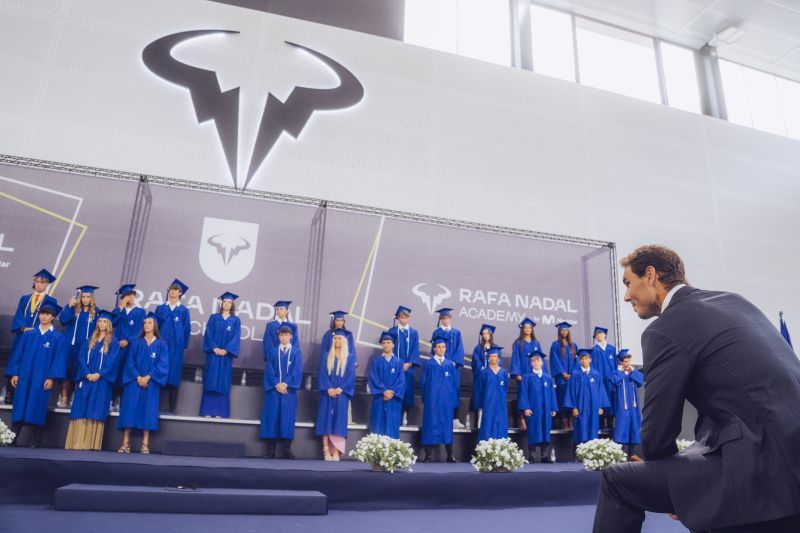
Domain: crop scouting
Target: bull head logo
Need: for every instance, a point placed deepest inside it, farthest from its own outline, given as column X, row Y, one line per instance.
column 431, row 300
column 211, row 103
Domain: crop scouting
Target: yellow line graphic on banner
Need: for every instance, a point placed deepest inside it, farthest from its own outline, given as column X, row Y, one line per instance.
column 41, row 209
column 364, row 273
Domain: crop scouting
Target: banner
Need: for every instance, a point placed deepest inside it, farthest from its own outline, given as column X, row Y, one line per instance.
column 105, row 232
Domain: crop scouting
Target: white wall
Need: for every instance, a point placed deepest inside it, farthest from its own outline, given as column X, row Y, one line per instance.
column 435, row 134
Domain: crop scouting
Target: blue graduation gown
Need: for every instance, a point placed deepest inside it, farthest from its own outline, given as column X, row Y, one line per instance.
column 627, row 409
column 520, row 362
column 455, row 346
column 385, row 417
column 407, row 350
column 479, row 362
column 332, row 412
column 26, row 316
column 539, row 395
column 440, row 386
column 493, row 390
column 562, row 363
column 78, row 331
column 37, row 357
column 279, row 411
column 175, row 328
column 605, row 362
column 226, row 334
column 139, row 409
column 92, row 399
column 127, row 326
column 271, row 334
column 587, row 394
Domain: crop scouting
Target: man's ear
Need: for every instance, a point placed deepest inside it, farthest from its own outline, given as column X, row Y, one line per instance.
column 651, row 275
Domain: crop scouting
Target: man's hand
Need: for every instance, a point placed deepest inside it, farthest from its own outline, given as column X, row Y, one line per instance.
column 332, row 392
column 527, row 412
column 388, row 395
column 26, row 329
column 282, row 388
column 553, row 413
column 519, row 378
column 338, row 390
column 565, row 376
column 123, row 343
column 48, row 384
column 14, row 381
column 93, row 377
column 575, row 413
column 599, row 411
column 406, row 366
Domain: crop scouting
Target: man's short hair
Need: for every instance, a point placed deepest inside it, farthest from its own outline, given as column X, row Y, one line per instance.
column 666, row 262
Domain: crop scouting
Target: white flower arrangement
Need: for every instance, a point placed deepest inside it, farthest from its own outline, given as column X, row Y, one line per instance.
column 597, row 454
column 6, row 435
column 683, row 444
column 498, row 455
column 384, row 453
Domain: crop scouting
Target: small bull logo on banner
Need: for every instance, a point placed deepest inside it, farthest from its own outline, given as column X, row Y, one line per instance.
column 227, row 249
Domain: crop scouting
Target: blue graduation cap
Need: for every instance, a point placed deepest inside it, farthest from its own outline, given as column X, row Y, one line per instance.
column 527, row 320
column 285, row 328
column 386, row 336
column 584, row 351
column 599, row 328
column 228, row 296
column 49, row 305
column 537, row 353
column 495, row 350
column 444, row 311
column 337, row 314
column 87, row 288
column 282, row 303
column 439, row 339
column 623, row 354
column 176, row 283
column 563, row 325
column 341, row 332
column 102, row 313
column 43, row 273
column 126, row 289
column 489, row 327
column 402, row 309
column 154, row 316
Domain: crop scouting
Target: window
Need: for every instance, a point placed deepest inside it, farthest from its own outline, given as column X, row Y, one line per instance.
column 761, row 100
column 617, row 60
column 480, row 29
column 680, row 77
column 553, row 47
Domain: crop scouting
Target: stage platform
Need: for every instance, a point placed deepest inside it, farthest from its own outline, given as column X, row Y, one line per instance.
column 31, row 476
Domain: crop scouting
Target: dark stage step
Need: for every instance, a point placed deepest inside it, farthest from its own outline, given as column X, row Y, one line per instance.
column 202, row 449
column 141, row 499
column 33, row 475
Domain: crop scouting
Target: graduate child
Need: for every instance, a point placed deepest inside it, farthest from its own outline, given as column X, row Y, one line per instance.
column 479, row 362
column 563, row 360
column 537, row 402
column 337, row 322
column 604, row 360
column 127, row 323
column 95, row 377
column 176, row 327
column 587, row 398
column 454, row 350
column 387, row 383
column 221, row 346
column 440, row 386
column 283, row 372
column 407, row 350
column 336, row 384
column 39, row 358
column 26, row 316
column 493, row 388
column 626, row 381
column 525, row 344
column 281, row 317
column 146, row 371
column 78, row 319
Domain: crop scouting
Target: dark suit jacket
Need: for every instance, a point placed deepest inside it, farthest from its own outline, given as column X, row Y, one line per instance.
column 719, row 352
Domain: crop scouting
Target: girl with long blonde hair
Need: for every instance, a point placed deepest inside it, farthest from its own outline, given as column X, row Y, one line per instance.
column 337, row 379
column 78, row 318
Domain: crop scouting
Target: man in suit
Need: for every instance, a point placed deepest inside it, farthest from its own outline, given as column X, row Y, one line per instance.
column 719, row 352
